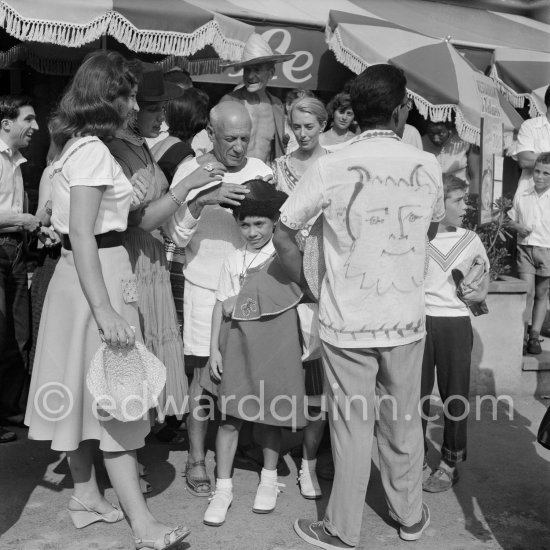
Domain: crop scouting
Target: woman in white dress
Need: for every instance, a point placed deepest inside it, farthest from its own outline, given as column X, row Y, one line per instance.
column 85, row 303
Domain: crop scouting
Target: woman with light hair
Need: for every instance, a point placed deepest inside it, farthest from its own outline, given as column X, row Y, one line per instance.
column 307, row 117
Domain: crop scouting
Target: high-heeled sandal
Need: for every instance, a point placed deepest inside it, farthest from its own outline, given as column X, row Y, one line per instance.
column 87, row 516
column 169, row 541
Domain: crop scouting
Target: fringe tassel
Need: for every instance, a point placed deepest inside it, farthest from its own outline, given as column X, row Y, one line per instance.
column 533, row 109
column 63, row 34
column 192, row 66
column 161, row 42
column 16, row 53
column 437, row 113
column 114, row 24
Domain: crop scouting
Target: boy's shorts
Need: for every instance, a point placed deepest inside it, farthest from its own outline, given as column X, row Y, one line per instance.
column 534, row 259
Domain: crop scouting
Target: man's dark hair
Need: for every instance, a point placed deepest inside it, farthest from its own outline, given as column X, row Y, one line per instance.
column 375, row 93
column 11, row 104
column 547, row 97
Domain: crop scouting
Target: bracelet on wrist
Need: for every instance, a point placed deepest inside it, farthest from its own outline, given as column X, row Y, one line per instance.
column 175, row 199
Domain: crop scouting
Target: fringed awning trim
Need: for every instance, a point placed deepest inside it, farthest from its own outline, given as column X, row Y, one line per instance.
column 436, row 113
column 54, row 32
column 116, row 25
column 193, row 66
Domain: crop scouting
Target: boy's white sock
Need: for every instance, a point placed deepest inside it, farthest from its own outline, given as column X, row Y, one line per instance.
column 269, row 475
column 308, row 465
column 224, row 483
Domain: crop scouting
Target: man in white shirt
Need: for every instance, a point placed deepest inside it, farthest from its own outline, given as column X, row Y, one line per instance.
column 17, row 125
column 209, row 233
column 378, row 198
column 533, row 139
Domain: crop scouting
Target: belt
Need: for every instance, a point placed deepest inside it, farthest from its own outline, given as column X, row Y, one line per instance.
column 103, row 240
column 15, row 236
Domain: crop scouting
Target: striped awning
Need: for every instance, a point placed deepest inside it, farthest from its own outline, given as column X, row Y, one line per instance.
column 174, row 27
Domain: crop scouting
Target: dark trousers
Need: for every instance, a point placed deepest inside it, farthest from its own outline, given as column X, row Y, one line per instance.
column 448, row 352
column 14, row 327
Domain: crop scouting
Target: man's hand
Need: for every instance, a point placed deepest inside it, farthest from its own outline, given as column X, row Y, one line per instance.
column 227, row 193
column 28, row 222
column 522, row 230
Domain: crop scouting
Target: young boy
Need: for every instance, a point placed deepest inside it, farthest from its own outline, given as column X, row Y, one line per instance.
column 255, row 350
column 449, row 338
column 530, row 217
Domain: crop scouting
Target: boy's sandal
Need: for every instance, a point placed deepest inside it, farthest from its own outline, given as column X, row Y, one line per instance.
column 440, row 480
column 198, row 486
column 169, row 541
column 6, row 436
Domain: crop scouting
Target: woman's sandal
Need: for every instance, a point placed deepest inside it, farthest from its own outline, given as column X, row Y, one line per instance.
column 198, row 486
column 87, row 516
column 169, row 541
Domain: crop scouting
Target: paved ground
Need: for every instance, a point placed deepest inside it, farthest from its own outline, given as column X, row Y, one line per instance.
column 501, row 501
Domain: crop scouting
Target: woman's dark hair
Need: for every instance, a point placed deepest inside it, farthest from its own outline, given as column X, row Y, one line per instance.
column 375, row 93
column 187, row 115
column 263, row 201
column 340, row 102
column 93, row 104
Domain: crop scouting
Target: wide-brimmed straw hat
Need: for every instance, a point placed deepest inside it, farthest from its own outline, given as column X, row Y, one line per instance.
column 125, row 382
column 256, row 51
column 153, row 88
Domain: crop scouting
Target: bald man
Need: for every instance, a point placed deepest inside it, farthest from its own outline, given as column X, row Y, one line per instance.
column 209, row 233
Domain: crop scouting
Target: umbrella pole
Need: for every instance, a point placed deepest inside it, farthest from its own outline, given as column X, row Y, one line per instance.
column 103, row 42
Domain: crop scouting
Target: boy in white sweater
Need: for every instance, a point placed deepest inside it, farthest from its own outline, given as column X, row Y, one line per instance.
column 449, row 337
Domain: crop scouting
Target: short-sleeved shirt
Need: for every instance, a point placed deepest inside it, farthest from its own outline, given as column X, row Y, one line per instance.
column 11, row 180
column 236, row 265
column 533, row 135
column 450, row 250
column 88, row 162
column 378, row 197
column 533, row 211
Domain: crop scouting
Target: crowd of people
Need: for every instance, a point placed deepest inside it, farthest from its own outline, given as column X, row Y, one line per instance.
column 220, row 238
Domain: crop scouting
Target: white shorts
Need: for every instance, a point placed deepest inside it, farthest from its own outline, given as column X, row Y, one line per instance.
column 198, row 304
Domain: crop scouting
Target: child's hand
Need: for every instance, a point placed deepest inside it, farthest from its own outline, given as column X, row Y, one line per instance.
column 216, row 364
column 228, row 306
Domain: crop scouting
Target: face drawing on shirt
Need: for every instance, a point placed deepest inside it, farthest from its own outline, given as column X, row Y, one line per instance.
column 388, row 233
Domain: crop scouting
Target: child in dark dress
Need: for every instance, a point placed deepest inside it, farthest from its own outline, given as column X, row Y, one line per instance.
column 255, row 350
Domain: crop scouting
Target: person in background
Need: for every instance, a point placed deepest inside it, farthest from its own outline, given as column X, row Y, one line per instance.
column 371, row 306
column 455, row 156
column 533, row 139
column 341, row 114
column 449, row 336
column 307, row 118
column 85, row 301
column 186, row 116
column 530, row 218
column 17, row 126
column 290, row 97
column 265, row 110
column 49, row 248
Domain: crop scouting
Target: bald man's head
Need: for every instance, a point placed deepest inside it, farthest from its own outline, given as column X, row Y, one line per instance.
column 229, row 130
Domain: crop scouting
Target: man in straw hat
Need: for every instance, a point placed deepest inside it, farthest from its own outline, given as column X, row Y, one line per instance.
column 209, row 233
column 378, row 198
column 265, row 110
